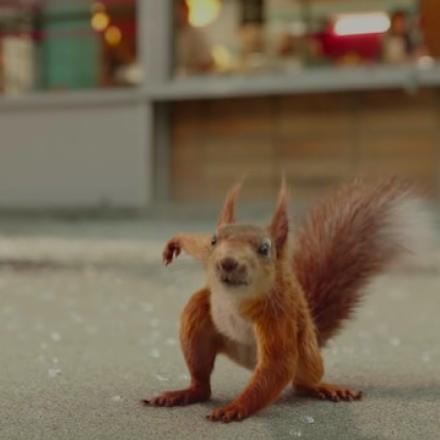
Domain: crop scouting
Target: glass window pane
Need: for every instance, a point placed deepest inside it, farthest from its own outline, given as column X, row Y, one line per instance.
column 244, row 36
column 67, row 45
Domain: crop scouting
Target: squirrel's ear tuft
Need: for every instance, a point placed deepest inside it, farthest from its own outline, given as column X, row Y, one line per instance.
column 279, row 226
column 228, row 212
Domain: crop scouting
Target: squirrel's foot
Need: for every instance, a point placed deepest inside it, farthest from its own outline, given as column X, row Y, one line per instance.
column 172, row 249
column 335, row 393
column 229, row 413
column 180, row 397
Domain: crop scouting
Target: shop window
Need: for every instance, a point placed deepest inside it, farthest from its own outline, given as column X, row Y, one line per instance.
column 246, row 36
column 67, row 45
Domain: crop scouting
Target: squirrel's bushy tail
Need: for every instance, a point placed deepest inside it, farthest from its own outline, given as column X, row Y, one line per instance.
column 349, row 238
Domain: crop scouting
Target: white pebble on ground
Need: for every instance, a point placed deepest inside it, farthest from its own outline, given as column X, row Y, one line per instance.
column 155, row 353
column 55, row 336
column 53, row 372
column 161, row 378
column 395, row 342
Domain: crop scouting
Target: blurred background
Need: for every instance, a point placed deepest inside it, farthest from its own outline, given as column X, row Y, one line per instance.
column 123, row 122
column 128, row 104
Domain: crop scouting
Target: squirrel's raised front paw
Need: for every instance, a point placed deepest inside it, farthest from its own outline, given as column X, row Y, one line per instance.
column 172, row 249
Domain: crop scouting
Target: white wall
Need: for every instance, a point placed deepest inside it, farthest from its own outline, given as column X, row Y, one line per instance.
column 75, row 156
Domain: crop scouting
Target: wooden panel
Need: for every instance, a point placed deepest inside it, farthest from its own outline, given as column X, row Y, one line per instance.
column 422, row 171
column 396, row 110
column 323, row 114
column 315, row 147
column 187, row 119
column 430, row 19
column 317, row 140
column 239, row 117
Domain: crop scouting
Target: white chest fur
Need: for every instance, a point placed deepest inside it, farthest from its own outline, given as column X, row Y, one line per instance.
column 227, row 319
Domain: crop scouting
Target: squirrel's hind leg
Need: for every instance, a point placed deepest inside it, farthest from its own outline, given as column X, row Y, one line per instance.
column 325, row 391
column 309, row 376
column 200, row 344
column 311, row 370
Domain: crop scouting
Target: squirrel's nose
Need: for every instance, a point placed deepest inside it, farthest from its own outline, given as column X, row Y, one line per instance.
column 228, row 264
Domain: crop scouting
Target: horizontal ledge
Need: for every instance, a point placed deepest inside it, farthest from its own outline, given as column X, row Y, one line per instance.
column 211, row 87
column 306, row 81
column 80, row 98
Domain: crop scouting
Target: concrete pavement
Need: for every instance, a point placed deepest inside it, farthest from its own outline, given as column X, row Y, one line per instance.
column 88, row 327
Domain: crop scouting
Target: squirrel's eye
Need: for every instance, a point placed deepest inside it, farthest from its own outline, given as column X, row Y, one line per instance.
column 264, row 248
column 214, row 240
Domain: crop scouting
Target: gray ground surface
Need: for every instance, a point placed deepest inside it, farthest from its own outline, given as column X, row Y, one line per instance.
column 88, row 327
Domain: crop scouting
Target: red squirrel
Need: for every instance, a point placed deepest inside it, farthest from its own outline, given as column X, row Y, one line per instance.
column 270, row 305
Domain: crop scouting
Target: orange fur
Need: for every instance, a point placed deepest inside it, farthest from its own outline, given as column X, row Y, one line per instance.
column 196, row 245
column 261, row 298
column 348, row 238
column 227, row 214
column 200, row 344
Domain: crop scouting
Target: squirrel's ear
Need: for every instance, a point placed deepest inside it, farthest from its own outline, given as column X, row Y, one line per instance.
column 279, row 226
column 228, row 212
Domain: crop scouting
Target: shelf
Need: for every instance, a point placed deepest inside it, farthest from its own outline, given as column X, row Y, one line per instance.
column 212, row 87
column 84, row 98
column 305, row 81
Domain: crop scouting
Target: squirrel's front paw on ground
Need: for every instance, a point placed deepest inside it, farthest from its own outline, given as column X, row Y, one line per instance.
column 180, row 397
column 172, row 249
column 229, row 413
